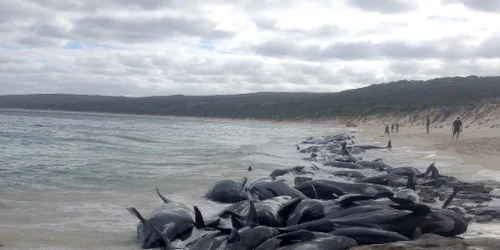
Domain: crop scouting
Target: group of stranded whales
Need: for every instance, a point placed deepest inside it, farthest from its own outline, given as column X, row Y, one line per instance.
column 325, row 207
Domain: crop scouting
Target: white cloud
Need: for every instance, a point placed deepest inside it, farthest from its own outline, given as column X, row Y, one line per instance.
column 150, row 47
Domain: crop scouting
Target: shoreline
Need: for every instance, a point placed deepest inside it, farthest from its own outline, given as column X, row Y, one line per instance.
column 476, row 146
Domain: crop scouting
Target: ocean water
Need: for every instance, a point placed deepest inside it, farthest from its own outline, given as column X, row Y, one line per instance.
column 67, row 178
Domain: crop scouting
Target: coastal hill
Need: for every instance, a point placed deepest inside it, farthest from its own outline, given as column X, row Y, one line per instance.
column 443, row 95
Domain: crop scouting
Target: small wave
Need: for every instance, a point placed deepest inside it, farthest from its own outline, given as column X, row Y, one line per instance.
column 134, row 138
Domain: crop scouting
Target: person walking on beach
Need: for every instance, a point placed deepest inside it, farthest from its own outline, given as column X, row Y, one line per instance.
column 397, row 127
column 457, row 128
column 428, row 124
column 392, row 128
column 386, row 130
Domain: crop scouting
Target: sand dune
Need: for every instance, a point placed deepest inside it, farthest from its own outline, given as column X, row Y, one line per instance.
column 476, row 146
column 479, row 143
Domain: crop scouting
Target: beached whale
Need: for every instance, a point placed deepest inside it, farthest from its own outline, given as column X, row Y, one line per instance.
column 404, row 171
column 265, row 188
column 227, row 191
column 339, row 164
column 270, row 212
column 244, row 235
column 307, row 210
column 174, row 220
column 280, row 172
column 352, row 188
column 321, row 213
column 305, row 239
column 368, row 236
column 320, row 189
column 349, row 174
column 376, row 164
column 385, row 179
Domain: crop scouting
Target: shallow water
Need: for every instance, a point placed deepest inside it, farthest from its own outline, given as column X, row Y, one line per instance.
column 66, row 179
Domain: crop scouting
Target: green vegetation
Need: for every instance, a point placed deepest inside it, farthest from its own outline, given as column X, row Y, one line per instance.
column 401, row 96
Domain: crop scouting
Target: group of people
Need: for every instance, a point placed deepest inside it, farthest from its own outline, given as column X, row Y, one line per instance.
column 456, row 128
column 392, row 129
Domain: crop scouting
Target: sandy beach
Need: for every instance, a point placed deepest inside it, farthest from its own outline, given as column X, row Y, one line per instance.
column 476, row 145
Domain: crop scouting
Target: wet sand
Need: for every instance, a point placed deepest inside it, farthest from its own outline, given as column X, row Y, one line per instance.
column 475, row 146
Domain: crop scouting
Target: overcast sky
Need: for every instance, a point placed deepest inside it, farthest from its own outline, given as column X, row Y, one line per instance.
column 205, row 47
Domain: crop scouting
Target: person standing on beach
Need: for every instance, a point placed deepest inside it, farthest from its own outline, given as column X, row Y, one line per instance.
column 428, row 124
column 392, row 128
column 386, row 130
column 457, row 128
column 397, row 127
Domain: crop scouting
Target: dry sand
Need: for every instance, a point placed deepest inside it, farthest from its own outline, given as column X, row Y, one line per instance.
column 479, row 142
column 476, row 146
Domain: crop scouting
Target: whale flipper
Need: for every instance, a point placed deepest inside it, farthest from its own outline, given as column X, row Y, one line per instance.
column 244, row 181
column 163, row 197
column 417, row 209
column 450, row 198
column 168, row 245
column 133, row 211
column 234, row 236
column 417, row 233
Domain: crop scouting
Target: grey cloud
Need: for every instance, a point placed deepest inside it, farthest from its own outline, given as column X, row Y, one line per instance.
column 115, row 73
column 341, row 50
column 49, row 30
column 278, row 49
column 466, row 67
column 490, row 47
column 92, row 5
column 134, row 61
column 144, row 30
column 39, row 22
column 346, row 50
column 384, row 6
column 13, row 10
column 406, row 67
column 448, row 48
column 479, row 5
column 36, row 41
column 327, row 30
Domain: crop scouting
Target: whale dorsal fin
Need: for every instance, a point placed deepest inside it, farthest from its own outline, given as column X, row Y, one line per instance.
column 198, row 222
column 252, row 219
column 165, row 199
